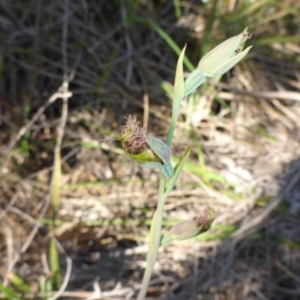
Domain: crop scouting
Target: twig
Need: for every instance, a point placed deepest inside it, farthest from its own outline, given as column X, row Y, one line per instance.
column 129, row 48
column 97, row 291
column 30, row 238
column 283, row 95
column 145, row 98
column 25, row 216
column 128, row 43
column 9, row 206
column 58, row 94
column 9, row 250
column 60, row 135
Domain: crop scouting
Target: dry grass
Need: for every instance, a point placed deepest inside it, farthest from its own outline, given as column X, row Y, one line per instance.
column 248, row 126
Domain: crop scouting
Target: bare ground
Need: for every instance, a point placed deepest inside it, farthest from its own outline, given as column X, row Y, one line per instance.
column 247, row 124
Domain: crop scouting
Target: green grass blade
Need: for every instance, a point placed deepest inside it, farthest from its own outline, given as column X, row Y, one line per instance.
column 174, row 46
column 194, row 80
column 10, row 294
column 178, row 96
column 55, row 265
column 201, row 158
column 178, row 86
column 56, row 185
column 19, row 283
column 46, row 287
column 207, row 40
column 190, row 167
column 177, row 9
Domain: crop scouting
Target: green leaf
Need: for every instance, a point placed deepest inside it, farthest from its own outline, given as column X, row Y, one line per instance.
column 19, row 283
column 177, row 97
column 160, row 148
column 56, row 185
column 194, row 80
column 168, row 170
column 178, row 169
column 178, row 85
column 55, row 265
column 10, row 294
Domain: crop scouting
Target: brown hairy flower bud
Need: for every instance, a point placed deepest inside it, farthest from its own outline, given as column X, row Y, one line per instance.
column 148, row 151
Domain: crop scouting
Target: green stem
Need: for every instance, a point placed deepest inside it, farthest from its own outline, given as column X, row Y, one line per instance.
column 171, row 131
column 155, row 232
column 156, row 224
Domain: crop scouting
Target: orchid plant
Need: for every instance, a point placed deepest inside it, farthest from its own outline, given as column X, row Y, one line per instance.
column 151, row 152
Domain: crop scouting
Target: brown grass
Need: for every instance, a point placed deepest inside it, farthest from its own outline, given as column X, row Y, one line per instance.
column 248, row 126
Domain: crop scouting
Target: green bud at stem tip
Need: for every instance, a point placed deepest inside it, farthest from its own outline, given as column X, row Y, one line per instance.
column 223, row 57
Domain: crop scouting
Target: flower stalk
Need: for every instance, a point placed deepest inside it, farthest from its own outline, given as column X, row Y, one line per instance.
column 151, row 152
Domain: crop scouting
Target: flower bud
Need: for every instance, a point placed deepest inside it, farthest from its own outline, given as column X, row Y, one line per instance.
column 222, row 58
column 148, row 151
column 189, row 229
